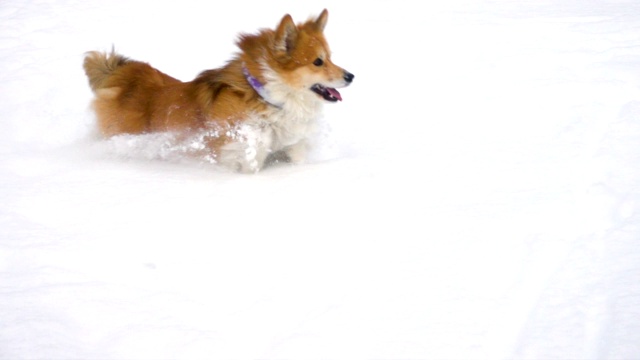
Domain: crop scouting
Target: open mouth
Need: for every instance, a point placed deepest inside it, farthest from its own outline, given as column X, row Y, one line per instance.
column 327, row 93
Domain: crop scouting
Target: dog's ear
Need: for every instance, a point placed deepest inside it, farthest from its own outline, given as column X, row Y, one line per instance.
column 321, row 21
column 286, row 34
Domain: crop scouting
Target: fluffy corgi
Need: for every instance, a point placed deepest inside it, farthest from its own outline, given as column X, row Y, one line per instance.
column 263, row 105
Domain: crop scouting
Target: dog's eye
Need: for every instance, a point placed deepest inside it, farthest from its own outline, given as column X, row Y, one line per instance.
column 318, row 62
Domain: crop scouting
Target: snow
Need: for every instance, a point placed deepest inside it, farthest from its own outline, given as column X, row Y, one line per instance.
column 475, row 195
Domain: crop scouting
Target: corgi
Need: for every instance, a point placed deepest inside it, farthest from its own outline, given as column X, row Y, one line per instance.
column 261, row 107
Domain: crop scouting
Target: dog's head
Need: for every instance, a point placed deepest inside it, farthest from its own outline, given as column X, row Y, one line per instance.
column 304, row 50
column 299, row 57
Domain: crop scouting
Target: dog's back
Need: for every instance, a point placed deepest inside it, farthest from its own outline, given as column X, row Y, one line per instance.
column 129, row 94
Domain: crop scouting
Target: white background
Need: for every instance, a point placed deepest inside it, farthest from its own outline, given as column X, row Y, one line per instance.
column 475, row 195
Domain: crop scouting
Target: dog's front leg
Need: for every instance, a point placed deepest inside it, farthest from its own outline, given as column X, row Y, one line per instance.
column 248, row 149
column 298, row 152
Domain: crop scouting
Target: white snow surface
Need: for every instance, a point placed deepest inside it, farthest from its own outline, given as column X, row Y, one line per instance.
column 475, row 195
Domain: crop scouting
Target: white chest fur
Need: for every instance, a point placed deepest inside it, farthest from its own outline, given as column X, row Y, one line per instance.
column 286, row 128
column 294, row 122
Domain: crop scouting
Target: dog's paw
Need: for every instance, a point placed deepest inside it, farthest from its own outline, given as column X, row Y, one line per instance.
column 297, row 153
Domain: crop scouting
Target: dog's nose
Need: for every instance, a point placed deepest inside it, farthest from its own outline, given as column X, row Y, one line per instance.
column 348, row 77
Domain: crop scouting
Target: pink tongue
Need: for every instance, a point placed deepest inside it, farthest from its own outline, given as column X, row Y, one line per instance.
column 334, row 93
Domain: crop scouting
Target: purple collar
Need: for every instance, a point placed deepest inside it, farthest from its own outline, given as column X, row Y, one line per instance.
column 258, row 87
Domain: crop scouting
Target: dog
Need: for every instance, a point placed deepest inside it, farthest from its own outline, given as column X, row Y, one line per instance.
column 261, row 107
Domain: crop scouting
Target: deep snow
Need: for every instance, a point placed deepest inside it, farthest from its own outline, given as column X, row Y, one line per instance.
column 475, row 195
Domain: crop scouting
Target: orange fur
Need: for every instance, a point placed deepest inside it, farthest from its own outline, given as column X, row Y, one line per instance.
column 131, row 97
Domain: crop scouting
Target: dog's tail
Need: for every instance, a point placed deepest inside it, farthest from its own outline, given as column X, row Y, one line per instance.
column 100, row 65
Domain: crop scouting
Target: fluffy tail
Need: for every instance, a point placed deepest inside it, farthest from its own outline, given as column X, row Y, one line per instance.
column 100, row 65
